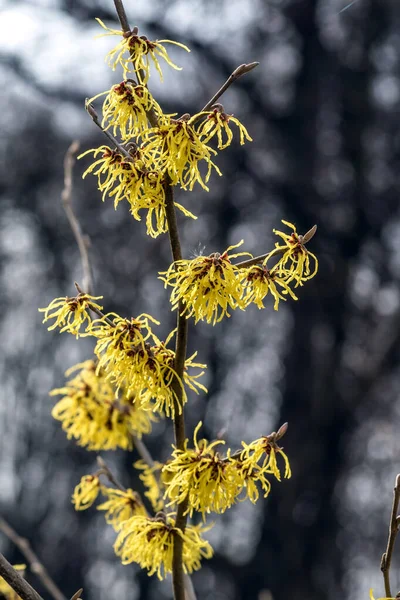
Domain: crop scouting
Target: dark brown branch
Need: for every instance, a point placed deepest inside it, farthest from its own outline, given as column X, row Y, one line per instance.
column 119, row 7
column 16, row 581
column 178, row 579
column 238, row 72
column 34, row 563
column 393, row 531
column 66, row 198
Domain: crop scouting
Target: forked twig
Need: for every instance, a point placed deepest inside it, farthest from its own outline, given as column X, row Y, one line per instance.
column 34, row 563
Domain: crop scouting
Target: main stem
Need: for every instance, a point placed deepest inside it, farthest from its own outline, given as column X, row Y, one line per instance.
column 178, row 580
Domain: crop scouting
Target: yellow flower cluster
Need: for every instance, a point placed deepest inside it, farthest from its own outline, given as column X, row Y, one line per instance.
column 209, row 285
column 142, row 539
column 150, row 542
column 212, row 483
column 90, row 412
column 171, row 150
column 146, row 371
column 131, row 359
column 6, row 591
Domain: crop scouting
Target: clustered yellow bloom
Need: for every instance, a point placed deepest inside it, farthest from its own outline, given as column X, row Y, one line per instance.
column 149, row 542
column 120, row 506
column 207, row 286
column 134, row 52
column 138, row 180
column 90, row 412
column 145, row 371
column 125, row 108
column 6, row 590
column 171, row 152
column 212, row 483
column 179, row 150
column 70, row 313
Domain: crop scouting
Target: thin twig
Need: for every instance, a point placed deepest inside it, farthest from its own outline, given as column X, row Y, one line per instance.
column 95, row 118
column 34, row 563
column 20, row 586
column 105, row 470
column 303, row 240
column 393, row 530
column 66, row 198
column 143, row 452
column 238, row 72
column 258, row 259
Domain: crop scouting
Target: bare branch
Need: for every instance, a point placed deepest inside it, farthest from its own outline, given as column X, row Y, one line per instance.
column 34, row 563
column 16, row 581
column 393, row 530
column 66, row 197
column 238, row 72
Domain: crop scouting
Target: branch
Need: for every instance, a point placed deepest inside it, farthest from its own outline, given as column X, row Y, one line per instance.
column 34, row 563
column 119, row 7
column 393, row 530
column 66, row 198
column 238, row 72
column 16, row 581
column 105, row 470
column 178, row 579
column 95, row 118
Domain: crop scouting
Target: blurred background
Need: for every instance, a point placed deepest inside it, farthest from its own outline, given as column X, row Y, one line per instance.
column 323, row 110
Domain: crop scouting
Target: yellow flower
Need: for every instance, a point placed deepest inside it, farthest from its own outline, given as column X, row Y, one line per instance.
column 150, row 481
column 70, row 313
column 159, row 385
column 125, row 108
column 86, row 492
column 149, row 542
column 6, row 590
column 207, row 285
column 134, row 53
column 121, row 506
column 264, row 448
column 210, row 482
column 108, row 168
column 90, row 412
column 258, row 281
column 178, row 149
column 295, row 263
column 217, row 123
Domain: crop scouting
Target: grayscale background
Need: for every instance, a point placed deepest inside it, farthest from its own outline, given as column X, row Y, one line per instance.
column 323, row 109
